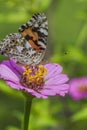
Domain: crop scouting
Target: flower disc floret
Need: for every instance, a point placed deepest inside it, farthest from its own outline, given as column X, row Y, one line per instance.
column 33, row 77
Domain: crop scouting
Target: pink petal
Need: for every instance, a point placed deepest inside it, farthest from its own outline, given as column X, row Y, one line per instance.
column 31, row 91
column 59, row 79
column 53, row 90
column 14, row 85
column 36, row 94
column 48, row 92
column 8, row 74
column 17, row 67
column 57, row 87
column 13, row 66
column 53, row 69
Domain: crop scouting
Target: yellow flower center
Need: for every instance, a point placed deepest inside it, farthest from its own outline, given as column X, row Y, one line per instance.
column 33, row 77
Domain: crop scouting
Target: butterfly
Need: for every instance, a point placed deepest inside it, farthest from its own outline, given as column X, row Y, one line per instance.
column 28, row 46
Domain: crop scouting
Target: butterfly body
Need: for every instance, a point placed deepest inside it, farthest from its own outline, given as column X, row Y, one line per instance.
column 29, row 45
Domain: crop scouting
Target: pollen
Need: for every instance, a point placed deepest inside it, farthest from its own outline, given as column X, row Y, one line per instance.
column 33, row 77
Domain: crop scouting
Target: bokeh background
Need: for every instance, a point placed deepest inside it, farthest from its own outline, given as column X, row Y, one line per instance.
column 67, row 45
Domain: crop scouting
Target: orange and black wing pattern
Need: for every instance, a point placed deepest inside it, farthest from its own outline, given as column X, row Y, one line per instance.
column 36, row 31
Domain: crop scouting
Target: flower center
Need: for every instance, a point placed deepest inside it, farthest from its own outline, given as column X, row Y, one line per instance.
column 83, row 88
column 33, row 77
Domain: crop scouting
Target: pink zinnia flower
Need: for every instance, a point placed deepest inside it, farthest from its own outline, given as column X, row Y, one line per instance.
column 40, row 81
column 78, row 88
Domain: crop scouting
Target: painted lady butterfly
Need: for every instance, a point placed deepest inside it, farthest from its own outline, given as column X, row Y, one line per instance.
column 29, row 45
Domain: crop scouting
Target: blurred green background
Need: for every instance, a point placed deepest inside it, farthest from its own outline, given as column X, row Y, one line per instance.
column 67, row 45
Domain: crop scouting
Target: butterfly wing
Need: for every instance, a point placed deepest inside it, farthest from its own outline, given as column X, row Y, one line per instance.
column 29, row 45
column 36, row 31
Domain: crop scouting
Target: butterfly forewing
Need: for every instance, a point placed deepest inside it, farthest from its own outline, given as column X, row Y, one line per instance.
column 36, row 31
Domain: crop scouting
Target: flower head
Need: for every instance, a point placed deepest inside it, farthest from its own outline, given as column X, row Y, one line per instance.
column 78, row 88
column 40, row 81
column 33, row 77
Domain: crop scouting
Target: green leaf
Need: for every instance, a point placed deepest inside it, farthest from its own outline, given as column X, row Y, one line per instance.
column 81, row 115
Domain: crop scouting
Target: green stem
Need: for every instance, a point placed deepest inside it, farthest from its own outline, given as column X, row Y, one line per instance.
column 27, row 109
